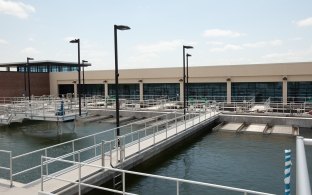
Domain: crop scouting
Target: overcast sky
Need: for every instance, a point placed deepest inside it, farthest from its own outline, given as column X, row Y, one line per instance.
column 223, row 32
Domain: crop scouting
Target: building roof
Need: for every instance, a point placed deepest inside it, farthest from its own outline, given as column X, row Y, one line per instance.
column 43, row 63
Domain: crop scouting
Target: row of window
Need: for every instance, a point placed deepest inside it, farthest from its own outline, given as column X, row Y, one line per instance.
column 48, row 68
column 261, row 91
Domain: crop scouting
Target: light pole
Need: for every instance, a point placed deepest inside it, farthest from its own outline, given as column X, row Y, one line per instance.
column 117, row 27
column 184, row 47
column 79, row 82
column 187, row 77
column 25, row 66
column 83, row 83
column 28, row 70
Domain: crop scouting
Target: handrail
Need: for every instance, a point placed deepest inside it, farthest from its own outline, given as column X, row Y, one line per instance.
column 10, row 167
column 72, row 142
column 302, row 175
column 177, row 180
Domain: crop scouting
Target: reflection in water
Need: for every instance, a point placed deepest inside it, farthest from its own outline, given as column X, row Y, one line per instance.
column 249, row 160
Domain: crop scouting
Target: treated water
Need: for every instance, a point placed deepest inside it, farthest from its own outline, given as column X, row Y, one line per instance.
column 249, row 160
column 35, row 135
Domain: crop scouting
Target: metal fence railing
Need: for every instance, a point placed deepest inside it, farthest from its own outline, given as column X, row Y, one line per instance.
column 178, row 182
column 25, row 167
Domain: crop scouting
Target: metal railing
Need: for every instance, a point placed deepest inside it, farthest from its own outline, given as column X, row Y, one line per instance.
column 46, row 160
column 8, row 166
column 302, row 175
column 30, row 162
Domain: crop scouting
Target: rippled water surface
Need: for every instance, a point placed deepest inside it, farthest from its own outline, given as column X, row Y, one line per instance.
column 249, row 160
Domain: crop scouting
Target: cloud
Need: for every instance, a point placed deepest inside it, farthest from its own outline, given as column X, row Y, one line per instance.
column 221, row 33
column 301, row 55
column 3, row 42
column 305, row 22
column 214, row 43
column 16, row 8
column 262, row 44
column 228, row 47
column 29, row 51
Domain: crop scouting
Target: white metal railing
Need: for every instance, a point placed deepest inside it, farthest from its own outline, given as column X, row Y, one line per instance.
column 302, row 175
column 46, row 160
column 8, row 168
column 73, row 145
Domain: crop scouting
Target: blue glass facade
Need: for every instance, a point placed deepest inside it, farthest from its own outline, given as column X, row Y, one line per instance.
column 124, row 89
column 48, row 68
column 93, row 89
column 299, row 89
column 171, row 90
column 207, row 89
column 260, row 90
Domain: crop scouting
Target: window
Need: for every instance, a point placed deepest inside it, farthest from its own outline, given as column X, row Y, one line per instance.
column 261, row 91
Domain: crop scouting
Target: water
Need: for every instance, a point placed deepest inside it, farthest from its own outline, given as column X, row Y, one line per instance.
column 249, row 160
column 33, row 135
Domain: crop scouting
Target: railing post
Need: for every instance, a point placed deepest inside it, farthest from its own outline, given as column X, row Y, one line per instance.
column 94, row 142
column 110, row 153
column 139, row 141
column 178, row 190
column 131, row 132
column 176, row 124
column 46, row 154
column 73, row 146
column 166, row 129
column 102, row 154
column 11, row 170
column 79, row 175
column 153, row 135
column 123, row 183
column 41, row 173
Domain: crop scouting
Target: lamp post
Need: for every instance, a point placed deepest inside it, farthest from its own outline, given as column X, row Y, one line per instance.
column 83, row 83
column 28, row 70
column 79, row 82
column 187, row 77
column 117, row 27
column 25, row 66
column 184, row 47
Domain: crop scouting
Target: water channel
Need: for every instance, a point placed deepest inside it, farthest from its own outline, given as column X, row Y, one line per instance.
column 248, row 160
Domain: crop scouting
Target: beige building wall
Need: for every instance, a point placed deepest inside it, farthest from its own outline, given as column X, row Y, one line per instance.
column 301, row 71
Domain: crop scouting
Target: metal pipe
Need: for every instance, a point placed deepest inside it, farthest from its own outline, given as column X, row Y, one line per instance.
column 302, row 175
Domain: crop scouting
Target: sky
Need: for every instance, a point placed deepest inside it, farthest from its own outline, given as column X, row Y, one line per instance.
column 223, row 32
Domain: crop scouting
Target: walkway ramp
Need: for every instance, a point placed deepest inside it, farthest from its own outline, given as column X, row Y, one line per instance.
column 129, row 152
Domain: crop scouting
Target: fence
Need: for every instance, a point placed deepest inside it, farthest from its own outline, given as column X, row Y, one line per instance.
column 25, row 167
column 46, row 160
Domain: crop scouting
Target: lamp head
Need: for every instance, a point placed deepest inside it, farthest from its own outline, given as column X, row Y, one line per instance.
column 74, row 41
column 122, row 27
column 84, row 61
column 188, row 55
column 187, row 47
column 28, row 58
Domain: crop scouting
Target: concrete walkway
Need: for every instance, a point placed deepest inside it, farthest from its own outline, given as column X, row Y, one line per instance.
column 72, row 173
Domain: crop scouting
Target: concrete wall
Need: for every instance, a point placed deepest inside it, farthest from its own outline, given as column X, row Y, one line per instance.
column 272, row 120
column 12, row 84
